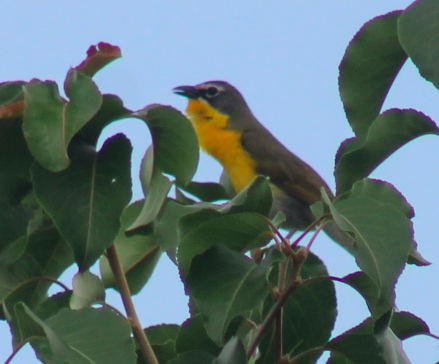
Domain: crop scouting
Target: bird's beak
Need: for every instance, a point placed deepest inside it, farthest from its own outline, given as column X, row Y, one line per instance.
column 188, row 91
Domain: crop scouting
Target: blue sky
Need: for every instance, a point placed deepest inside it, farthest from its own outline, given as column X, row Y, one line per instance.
column 283, row 56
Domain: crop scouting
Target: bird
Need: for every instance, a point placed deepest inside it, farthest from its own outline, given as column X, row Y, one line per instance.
column 228, row 131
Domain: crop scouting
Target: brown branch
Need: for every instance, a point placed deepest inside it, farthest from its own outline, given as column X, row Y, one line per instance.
column 122, row 284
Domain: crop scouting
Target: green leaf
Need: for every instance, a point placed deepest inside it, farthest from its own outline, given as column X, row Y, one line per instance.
column 371, row 62
column 357, row 345
column 52, row 253
column 174, row 141
column 87, row 290
column 46, row 255
column 207, row 191
column 138, row 252
column 391, row 346
column 162, row 339
column 17, row 275
column 193, row 336
column 256, row 197
column 308, row 315
column 418, row 27
column 225, row 284
column 27, row 327
column 192, row 357
column 11, row 92
column 160, row 334
column 389, row 132
column 112, row 109
column 405, row 325
column 356, row 349
column 15, row 157
column 50, row 122
column 386, row 193
column 242, row 231
column 13, row 188
column 232, row 353
column 364, row 285
column 24, row 326
column 73, row 338
column 53, row 304
column 383, row 240
column 14, row 250
column 86, row 200
column 155, row 188
column 373, row 342
column 14, row 220
column 168, row 223
column 197, row 219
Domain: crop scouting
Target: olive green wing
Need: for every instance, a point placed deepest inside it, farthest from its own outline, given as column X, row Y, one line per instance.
column 285, row 170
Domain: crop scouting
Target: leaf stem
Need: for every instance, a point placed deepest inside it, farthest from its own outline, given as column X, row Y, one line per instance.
column 122, row 284
column 49, row 279
column 307, row 230
column 313, row 237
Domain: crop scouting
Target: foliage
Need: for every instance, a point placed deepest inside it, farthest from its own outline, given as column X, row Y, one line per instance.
column 254, row 296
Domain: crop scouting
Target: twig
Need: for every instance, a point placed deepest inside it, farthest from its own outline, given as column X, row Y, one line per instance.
column 122, row 284
column 313, row 237
column 271, row 316
column 307, row 230
column 278, row 337
column 278, row 319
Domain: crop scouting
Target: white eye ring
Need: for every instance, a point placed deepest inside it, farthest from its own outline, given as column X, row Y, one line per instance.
column 211, row 92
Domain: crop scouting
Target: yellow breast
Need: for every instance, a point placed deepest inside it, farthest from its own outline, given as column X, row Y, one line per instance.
column 221, row 142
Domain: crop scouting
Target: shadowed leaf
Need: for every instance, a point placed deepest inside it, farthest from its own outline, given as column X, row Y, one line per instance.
column 225, row 284
column 418, row 27
column 383, row 236
column 72, row 338
column 371, row 62
column 138, row 252
column 174, row 141
column 50, row 122
column 86, row 200
column 389, row 132
column 242, row 231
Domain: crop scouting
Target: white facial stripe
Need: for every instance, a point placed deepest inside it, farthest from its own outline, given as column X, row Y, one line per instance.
column 205, row 86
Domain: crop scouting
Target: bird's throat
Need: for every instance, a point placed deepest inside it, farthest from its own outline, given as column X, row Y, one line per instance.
column 217, row 138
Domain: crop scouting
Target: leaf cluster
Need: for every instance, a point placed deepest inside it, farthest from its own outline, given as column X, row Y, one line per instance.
column 254, row 296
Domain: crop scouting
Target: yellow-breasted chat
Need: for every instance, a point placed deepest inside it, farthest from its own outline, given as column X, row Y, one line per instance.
column 228, row 131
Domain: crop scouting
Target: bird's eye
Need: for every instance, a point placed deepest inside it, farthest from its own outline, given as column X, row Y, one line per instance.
column 212, row 92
